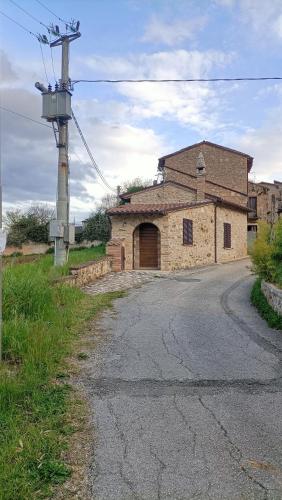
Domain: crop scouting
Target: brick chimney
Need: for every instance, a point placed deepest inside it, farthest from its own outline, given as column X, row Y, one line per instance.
column 201, row 177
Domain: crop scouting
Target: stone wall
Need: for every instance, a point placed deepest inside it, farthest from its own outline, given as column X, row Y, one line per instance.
column 175, row 255
column 202, row 251
column 238, row 221
column 28, row 249
column 226, row 172
column 164, row 193
column 41, row 248
column 123, row 228
column 88, row 272
column 273, row 296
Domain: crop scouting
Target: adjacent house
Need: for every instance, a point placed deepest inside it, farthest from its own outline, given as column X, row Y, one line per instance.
column 265, row 203
column 197, row 215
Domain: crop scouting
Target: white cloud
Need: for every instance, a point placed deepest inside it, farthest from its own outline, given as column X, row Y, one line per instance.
column 265, row 145
column 265, row 17
column 173, row 32
column 195, row 104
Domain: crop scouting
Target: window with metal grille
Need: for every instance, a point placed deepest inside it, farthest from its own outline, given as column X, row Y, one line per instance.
column 227, row 235
column 187, row 232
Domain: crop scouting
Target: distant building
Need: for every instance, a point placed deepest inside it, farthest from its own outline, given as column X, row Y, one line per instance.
column 265, row 203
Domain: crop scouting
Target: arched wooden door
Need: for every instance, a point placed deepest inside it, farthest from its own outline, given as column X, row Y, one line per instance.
column 149, row 244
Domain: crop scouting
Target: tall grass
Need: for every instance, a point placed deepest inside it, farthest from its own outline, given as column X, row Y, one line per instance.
column 41, row 322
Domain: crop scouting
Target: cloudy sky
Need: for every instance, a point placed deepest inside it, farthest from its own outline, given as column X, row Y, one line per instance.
column 129, row 126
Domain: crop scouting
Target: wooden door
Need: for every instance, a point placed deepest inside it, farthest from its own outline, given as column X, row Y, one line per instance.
column 148, row 246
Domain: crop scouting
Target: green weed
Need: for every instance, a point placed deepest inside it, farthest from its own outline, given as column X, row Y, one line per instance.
column 259, row 301
column 41, row 325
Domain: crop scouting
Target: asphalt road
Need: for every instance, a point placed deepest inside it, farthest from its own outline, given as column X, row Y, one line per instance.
column 186, row 393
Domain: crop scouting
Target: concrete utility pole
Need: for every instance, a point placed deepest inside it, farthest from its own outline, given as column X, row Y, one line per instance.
column 62, row 241
column 57, row 109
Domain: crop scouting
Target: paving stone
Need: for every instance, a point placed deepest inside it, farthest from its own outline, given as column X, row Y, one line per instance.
column 124, row 280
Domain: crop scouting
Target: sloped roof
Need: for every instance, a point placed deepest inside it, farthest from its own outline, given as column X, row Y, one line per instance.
column 154, row 208
column 208, row 143
column 165, row 208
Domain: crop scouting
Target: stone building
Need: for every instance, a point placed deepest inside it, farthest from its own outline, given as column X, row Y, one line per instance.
column 197, row 215
column 265, row 202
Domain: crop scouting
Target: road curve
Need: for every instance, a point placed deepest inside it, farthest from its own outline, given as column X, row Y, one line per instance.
column 186, row 392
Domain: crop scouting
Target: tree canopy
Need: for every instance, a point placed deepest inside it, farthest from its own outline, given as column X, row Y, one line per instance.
column 28, row 225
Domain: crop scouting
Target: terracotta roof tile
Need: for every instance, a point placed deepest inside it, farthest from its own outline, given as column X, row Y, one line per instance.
column 153, row 208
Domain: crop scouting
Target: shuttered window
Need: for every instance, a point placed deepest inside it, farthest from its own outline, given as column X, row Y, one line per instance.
column 187, row 232
column 227, row 235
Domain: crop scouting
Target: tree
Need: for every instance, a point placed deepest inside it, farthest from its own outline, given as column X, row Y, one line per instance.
column 135, row 185
column 97, row 227
column 30, row 225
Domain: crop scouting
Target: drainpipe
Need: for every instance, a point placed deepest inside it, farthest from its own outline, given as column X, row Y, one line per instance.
column 215, row 234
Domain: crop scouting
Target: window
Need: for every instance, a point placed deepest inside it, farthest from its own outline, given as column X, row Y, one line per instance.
column 187, row 232
column 253, row 206
column 227, row 235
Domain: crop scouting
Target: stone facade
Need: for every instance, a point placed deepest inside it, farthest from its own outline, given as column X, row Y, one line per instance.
column 273, row 296
column 269, row 201
column 211, row 183
column 207, row 220
column 226, row 171
column 164, row 193
column 178, row 255
column 238, row 221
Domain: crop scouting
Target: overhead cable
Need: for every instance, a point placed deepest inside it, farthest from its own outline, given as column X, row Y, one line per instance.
column 51, row 12
column 28, row 14
column 24, row 116
column 21, row 26
column 99, row 172
column 44, row 65
column 180, row 80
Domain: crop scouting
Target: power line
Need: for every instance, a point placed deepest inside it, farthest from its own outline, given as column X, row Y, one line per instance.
column 51, row 12
column 25, row 116
column 44, row 65
column 90, row 155
column 21, row 26
column 53, row 68
column 28, row 14
column 179, row 80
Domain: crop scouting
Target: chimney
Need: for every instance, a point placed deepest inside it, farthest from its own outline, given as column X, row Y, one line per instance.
column 201, row 177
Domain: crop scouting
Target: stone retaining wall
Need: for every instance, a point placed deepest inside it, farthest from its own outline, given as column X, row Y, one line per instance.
column 273, row 296
column 87, row 273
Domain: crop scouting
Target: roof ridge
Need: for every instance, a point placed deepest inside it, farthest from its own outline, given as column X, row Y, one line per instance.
column 209, row 143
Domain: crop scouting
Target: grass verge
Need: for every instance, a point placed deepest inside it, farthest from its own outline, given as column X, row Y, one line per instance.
column 40, row 329
column 259, row 301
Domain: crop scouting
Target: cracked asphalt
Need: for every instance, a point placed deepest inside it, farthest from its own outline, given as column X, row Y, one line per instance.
column 186, row 392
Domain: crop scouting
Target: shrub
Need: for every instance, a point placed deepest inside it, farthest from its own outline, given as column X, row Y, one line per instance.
column 267, row 252
column 50, row 250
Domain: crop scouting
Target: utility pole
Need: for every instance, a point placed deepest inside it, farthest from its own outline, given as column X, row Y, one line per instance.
column 57, row 109
column 62, row 242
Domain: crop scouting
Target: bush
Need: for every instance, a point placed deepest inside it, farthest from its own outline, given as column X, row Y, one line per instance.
column 267, row 252
column 16, row 254
column 259, row 301
column 50, row 250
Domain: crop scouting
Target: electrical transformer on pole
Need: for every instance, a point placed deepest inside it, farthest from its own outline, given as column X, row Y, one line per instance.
column 57, row 110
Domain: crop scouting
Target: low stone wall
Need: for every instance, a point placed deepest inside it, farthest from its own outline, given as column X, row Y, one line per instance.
column 87, row 273
column 28, row 249
column 273, row 296
column 41, row 248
